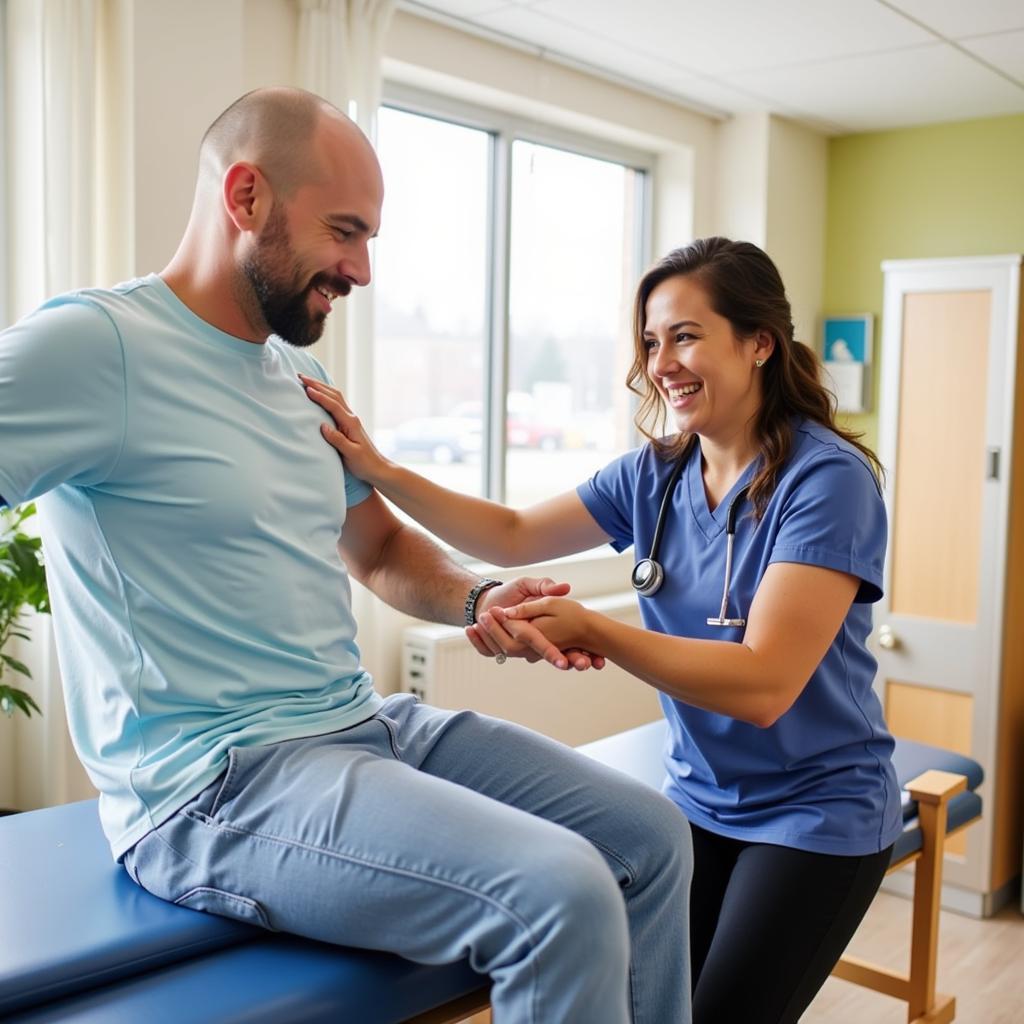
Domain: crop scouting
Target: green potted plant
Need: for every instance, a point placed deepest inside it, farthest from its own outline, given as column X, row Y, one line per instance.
column 22, row 586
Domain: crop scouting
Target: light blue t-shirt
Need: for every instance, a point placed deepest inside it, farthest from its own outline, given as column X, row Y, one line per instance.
column 190, row 514
column 821, row 778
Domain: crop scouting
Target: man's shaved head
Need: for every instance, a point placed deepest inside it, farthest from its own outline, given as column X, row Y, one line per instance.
column 288, row 196
column 275, row 129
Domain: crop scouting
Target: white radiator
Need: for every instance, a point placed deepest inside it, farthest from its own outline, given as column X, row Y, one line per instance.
column 441, row 667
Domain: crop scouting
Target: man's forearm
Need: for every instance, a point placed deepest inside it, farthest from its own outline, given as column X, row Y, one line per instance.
column 414, row 575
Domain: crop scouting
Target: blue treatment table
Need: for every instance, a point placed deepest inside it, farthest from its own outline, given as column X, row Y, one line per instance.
column 80, row 943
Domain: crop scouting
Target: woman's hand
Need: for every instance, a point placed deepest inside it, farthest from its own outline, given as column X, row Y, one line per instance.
column 546, row 624
column 492, row 637
column 347, row 436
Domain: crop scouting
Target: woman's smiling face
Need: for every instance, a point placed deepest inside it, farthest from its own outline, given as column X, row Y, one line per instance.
column 705, row 374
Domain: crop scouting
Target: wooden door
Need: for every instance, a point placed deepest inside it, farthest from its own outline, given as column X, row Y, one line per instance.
column 945, row 437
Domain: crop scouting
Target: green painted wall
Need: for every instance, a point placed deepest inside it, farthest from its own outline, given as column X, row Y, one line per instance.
column 943, row 190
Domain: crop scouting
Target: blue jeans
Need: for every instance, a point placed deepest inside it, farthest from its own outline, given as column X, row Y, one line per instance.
column 439, row 835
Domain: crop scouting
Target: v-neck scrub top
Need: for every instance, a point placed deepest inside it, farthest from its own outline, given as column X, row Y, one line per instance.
column 821, row 778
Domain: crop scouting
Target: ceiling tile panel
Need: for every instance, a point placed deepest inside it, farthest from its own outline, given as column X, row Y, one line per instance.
column 735, row 35
column 709, row 93
column 924, row 85
column 956, row 19
column 839, row 65
column 579, row 44
column 1005, row 50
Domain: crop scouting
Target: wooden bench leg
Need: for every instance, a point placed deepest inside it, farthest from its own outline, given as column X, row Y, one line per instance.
column 932, row 790
column 924, row 936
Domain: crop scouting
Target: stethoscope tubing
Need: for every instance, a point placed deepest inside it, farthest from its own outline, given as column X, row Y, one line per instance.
column 648, row 574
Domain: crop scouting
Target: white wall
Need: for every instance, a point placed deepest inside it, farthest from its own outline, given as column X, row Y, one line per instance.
column 186, row 61
column 188, row 66
column 741, row 202
column 795, row 219
column 772, row 177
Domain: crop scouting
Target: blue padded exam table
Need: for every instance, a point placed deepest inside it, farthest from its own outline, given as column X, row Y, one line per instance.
column 80, row 943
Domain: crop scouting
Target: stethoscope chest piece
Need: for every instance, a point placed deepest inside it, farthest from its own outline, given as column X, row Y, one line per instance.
column 647, row 577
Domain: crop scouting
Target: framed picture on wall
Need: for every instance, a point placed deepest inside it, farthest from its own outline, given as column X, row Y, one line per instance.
column 847, row 355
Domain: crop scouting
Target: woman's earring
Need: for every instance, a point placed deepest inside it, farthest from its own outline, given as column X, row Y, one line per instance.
column 759, row 363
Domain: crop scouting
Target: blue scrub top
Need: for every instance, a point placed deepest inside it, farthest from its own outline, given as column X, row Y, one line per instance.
column 821, row 778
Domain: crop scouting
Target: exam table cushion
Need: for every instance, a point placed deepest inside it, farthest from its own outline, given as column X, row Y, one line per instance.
column 71, row 920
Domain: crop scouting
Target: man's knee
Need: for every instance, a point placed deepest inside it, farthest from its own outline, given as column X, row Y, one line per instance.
column 663, row 834
column 578, row 897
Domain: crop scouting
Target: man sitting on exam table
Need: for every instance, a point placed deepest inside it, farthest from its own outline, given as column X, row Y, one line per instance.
column 198, row 549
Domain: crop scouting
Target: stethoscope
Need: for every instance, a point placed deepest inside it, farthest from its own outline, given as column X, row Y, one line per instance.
column 648, row 575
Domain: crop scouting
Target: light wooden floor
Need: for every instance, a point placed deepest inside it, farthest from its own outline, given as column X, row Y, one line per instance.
column 980, row 962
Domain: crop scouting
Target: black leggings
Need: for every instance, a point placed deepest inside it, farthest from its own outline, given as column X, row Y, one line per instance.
column 768, row 923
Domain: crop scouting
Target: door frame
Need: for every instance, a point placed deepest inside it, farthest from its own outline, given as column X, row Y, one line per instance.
column 1000, row 275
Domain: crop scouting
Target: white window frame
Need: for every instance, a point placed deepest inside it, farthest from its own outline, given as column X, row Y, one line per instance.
column 504, row 129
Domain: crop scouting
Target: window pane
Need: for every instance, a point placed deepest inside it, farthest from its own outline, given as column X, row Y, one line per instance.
column 430, row 269
column 573, row 243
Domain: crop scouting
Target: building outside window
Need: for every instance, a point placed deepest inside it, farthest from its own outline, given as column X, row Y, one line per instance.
column 504, row 273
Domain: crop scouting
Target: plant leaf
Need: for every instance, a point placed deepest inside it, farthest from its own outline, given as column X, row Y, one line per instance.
column 22, row 586
column 11, row 698
column 18, row 666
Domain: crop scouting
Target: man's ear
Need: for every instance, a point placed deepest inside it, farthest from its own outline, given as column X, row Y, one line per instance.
column 247, row 197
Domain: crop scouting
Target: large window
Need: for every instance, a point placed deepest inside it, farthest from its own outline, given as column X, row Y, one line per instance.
column 504, row 274
column 431, row 295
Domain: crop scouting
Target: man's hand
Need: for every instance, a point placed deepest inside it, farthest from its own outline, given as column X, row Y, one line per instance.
column 513, row 639
column 552, row 621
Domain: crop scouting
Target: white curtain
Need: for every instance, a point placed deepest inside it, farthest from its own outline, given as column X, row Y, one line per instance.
column 66, row 204
column 341, row 44
column 340, row 49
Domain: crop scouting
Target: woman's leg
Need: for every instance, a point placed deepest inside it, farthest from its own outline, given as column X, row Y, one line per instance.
column 785, row 919
column 713, row 860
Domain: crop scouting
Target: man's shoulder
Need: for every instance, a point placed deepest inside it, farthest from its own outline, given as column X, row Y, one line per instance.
column 93, row 306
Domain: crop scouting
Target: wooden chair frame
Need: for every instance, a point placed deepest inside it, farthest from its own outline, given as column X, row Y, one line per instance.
column 457, row 1010
column 932, row 790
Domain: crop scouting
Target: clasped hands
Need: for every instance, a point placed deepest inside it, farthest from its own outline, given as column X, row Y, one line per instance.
column 533, row 619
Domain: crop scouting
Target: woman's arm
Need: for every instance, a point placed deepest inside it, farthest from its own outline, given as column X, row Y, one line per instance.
column 795, row 615
column 483, row 529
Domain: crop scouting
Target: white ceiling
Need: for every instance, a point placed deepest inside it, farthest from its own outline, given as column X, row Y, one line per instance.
column 838, row 65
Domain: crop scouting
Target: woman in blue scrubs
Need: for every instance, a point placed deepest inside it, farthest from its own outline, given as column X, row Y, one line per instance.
column 778, row 753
